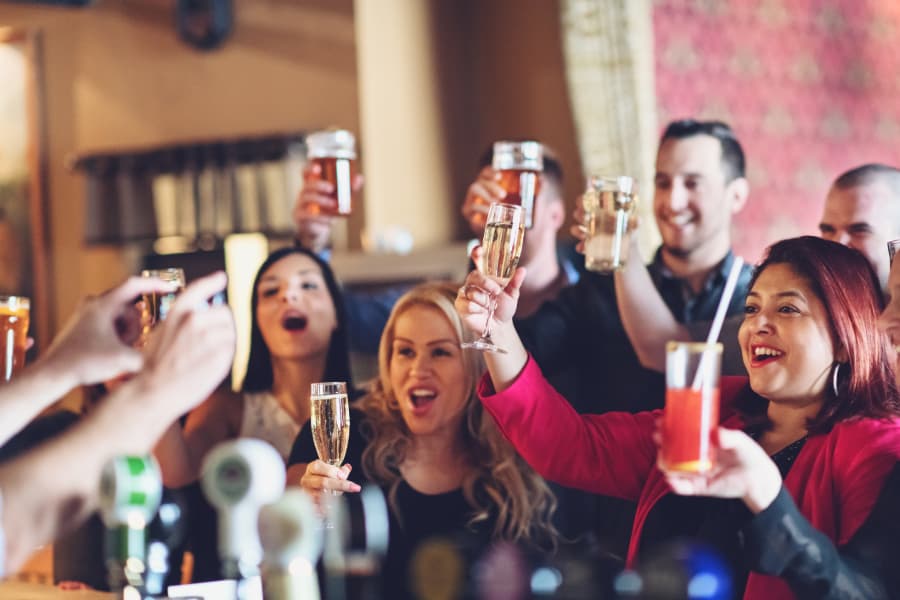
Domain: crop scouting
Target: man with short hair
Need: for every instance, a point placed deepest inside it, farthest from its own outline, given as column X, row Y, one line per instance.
column 862, row 210
column 579, row 339
column 551, row 266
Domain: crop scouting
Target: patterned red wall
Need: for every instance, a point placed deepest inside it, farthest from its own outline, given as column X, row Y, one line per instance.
column 812, row 88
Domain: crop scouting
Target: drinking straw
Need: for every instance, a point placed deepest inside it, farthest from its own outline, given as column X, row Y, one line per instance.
column 719, row 319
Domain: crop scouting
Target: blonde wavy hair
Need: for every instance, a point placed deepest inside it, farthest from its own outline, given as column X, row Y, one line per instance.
column 499, row 483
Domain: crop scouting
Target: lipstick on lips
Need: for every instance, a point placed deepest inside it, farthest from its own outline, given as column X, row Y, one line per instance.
column 761, row 354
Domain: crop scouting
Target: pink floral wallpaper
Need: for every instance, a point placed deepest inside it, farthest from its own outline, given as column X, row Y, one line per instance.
column 812, row 88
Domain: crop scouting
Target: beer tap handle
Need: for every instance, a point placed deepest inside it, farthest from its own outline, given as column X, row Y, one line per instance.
column 130, row 492
column 238, row 478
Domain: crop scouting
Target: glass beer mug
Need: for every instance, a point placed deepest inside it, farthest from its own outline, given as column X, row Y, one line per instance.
column 334, row 151
column 518, row 166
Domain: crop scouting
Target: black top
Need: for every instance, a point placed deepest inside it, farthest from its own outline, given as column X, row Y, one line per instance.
column 424, row 528
column 580, row 344
column 780, row 541
column 715, row 522
column 304, row 449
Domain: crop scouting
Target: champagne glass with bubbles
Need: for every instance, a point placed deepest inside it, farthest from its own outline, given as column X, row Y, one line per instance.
column 504, row 233
column 330, row 423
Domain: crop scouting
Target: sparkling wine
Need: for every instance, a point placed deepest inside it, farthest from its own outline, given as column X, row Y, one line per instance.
column 330, row 421
column 502, row 248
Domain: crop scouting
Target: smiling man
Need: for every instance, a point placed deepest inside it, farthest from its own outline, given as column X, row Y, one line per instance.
column 862, row 210
column 579, row 340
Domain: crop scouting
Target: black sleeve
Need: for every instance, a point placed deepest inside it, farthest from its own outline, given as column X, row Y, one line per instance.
column 782, row 542
column 304, row 449
column 554, row 334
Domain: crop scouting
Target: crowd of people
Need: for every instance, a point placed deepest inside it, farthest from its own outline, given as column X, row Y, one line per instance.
column 551, row 447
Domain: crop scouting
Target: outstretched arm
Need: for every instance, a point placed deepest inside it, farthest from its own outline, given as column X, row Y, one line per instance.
column 94, row 346
column 53, row 487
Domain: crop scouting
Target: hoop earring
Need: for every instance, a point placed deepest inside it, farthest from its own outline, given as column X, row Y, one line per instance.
column 834, row 378
column 392, row 402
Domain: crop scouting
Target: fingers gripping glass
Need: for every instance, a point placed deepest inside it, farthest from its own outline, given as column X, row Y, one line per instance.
column 504, row 233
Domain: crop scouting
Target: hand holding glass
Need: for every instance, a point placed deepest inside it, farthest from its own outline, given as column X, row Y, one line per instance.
column 609, row 203
column 504, row 233
column 334, row 150
column 330, row 421
column 692, row 406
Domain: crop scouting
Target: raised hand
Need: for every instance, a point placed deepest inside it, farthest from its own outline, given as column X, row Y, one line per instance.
column 474, row 297
column 742, row 470
column 191, row 352
column 320, row 476
column 483, row 192
column 579, row 224
column 96, row 344
column 312, row 226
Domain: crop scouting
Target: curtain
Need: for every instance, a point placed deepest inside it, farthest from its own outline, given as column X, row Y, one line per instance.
column 608, row 52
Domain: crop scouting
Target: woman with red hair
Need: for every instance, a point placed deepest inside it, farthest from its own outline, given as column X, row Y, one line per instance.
column 803, row 451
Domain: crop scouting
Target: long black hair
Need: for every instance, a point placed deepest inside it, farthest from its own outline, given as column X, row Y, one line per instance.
column 259, row 363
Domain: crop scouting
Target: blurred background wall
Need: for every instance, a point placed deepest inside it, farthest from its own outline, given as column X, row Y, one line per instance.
column 809, row 86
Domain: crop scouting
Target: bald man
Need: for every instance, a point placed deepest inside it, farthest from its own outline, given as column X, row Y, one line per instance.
column 862, row 210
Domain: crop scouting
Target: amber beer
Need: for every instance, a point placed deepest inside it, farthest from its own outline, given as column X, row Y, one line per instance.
column 691, row 414
column 14, row 318
column 155, row 306
column 334, row 151
column 518, row 166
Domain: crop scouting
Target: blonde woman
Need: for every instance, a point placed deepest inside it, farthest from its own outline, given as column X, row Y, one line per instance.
column 422, row 435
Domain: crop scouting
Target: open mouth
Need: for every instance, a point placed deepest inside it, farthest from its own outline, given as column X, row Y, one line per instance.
column 421, row 397
column 763, row 355
column 294, row 322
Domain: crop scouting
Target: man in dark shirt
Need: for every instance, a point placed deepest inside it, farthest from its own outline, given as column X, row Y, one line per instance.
column 579, row 340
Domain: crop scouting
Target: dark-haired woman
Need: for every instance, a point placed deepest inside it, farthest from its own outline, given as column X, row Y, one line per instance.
column 297, row 337
column 804, row 451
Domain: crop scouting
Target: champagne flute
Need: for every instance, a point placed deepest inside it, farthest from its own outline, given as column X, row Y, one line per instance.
column 504, row 233
column 330, row 423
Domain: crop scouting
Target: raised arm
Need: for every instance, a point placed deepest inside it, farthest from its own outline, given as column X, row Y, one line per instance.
column 645, row 316
column 53, row 487
column 180, row 451
column 93, row 346
column 471, row 303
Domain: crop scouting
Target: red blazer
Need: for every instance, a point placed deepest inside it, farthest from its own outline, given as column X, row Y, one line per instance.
column 834, row 481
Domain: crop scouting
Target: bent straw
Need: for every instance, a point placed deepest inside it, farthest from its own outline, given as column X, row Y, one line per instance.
column 719, row 319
